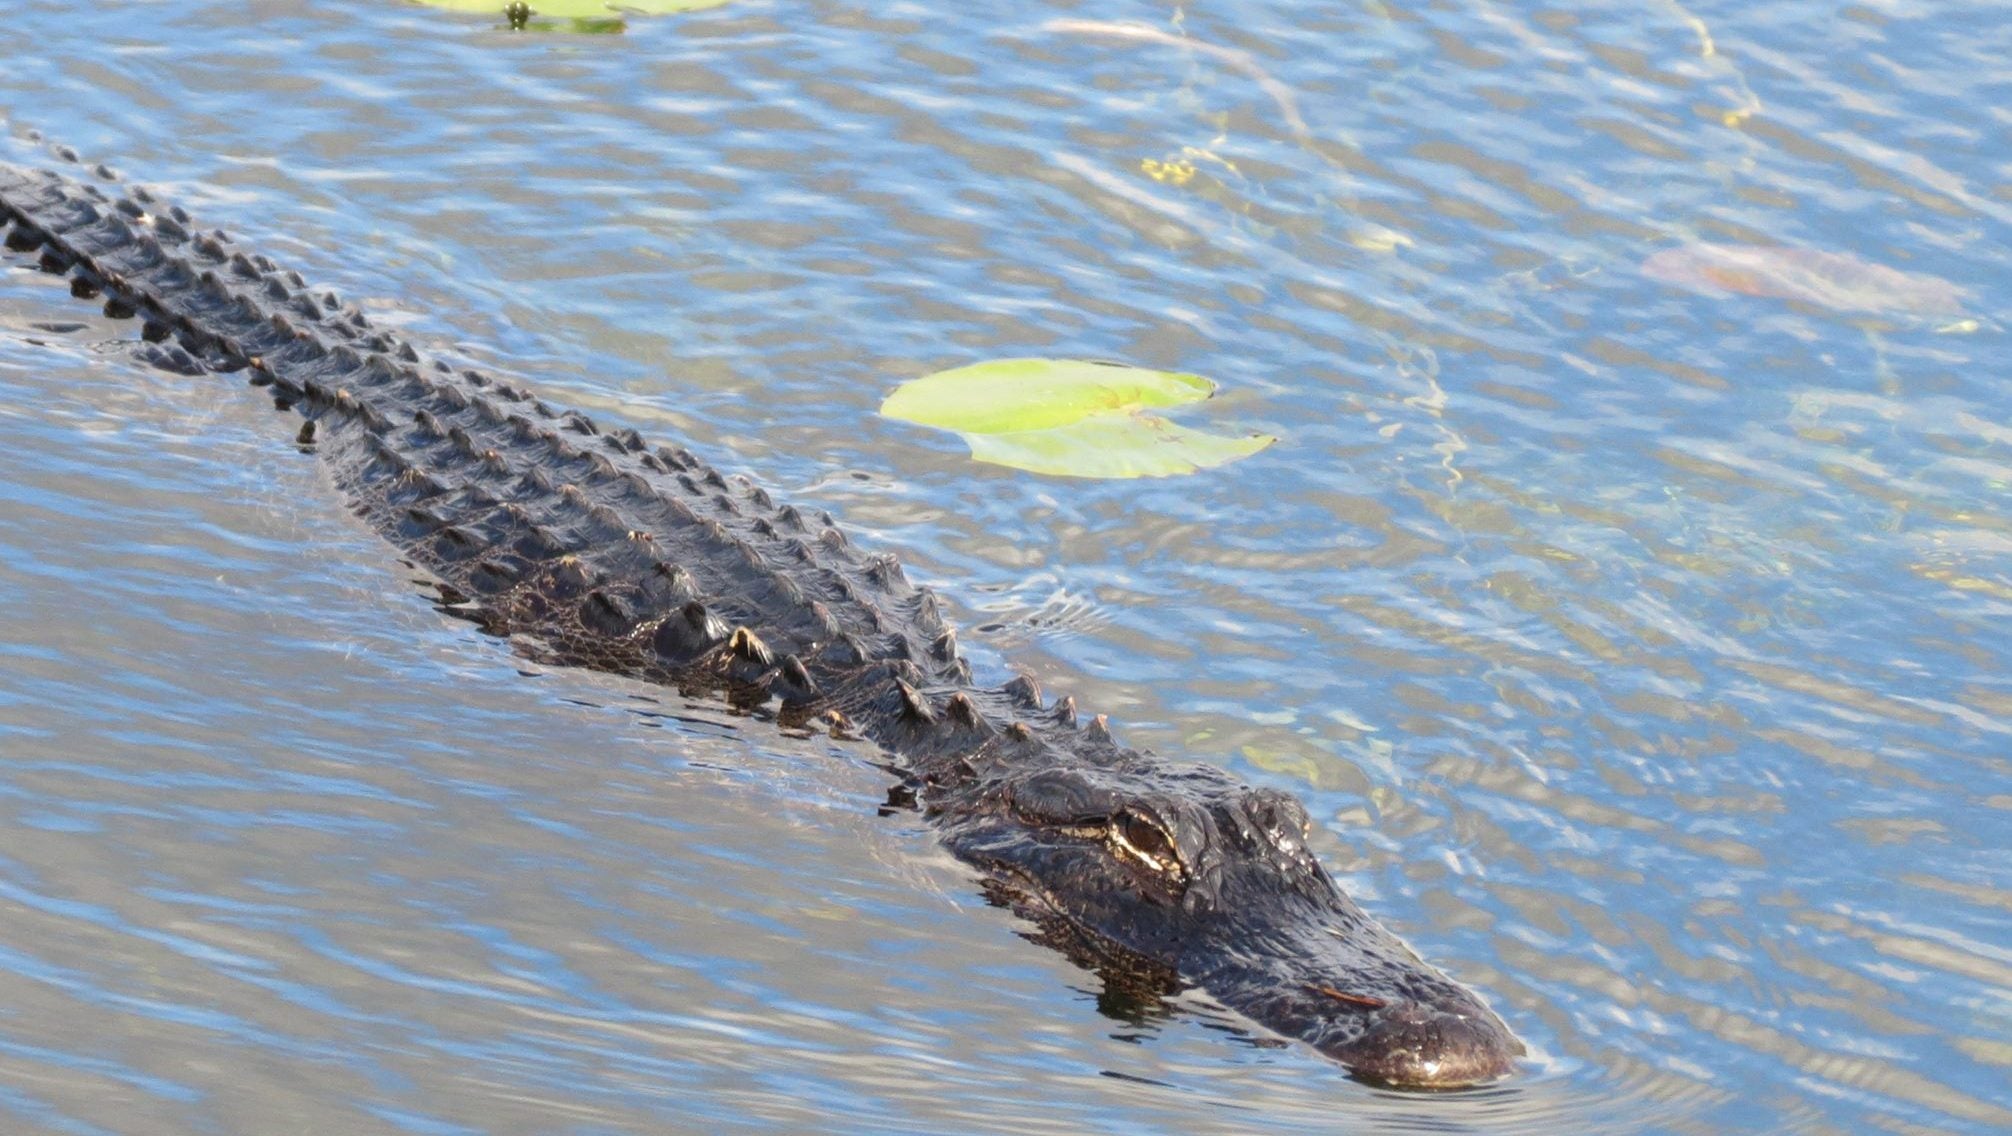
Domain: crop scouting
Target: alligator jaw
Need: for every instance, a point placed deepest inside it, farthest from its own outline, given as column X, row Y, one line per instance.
column 1363, row 999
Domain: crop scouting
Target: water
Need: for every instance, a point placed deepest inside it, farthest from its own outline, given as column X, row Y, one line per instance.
column 1641, row 651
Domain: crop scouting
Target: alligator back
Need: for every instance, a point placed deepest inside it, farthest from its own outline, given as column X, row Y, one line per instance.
column 586, row 545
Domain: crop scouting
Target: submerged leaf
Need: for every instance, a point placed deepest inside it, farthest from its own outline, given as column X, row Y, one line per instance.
column 1827, row 279
column 1069, row 417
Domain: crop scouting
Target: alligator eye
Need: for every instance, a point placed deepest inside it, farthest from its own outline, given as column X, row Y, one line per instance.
column 1143, row 838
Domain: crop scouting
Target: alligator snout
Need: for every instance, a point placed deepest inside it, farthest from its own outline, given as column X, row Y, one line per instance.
column 1412, row 1045
column 1320, row 970
column 1422, row 1032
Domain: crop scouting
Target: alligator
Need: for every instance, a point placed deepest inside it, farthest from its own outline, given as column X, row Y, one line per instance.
column 587, row 547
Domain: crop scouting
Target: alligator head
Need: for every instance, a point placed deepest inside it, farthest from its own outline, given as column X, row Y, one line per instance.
column 1209, row 881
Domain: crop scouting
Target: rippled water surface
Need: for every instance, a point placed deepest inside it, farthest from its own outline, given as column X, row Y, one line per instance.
column 1640, row 643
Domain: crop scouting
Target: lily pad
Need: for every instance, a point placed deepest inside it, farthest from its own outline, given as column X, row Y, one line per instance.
column 1114, row 445
column 1008, row 395
column 1070, row 417
column 595, row 12
column 1833, row 280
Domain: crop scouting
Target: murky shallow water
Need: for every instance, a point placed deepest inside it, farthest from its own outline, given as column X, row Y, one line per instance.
column 1642, row 651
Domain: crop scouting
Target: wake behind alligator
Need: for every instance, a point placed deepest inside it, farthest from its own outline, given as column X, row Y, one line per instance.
column 596, row 550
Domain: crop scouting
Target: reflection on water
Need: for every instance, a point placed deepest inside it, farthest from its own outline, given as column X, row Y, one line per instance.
column 1640, row 645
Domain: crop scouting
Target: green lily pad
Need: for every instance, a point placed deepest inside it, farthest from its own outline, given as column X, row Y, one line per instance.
column 1070, row 417
column 1008, row 395
column 1114, row 445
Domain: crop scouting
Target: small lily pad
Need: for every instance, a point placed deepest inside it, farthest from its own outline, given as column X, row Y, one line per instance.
column 1070, row 417
column 588, row 15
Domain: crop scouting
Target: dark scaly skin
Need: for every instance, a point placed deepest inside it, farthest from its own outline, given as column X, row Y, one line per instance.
column 594, row 550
